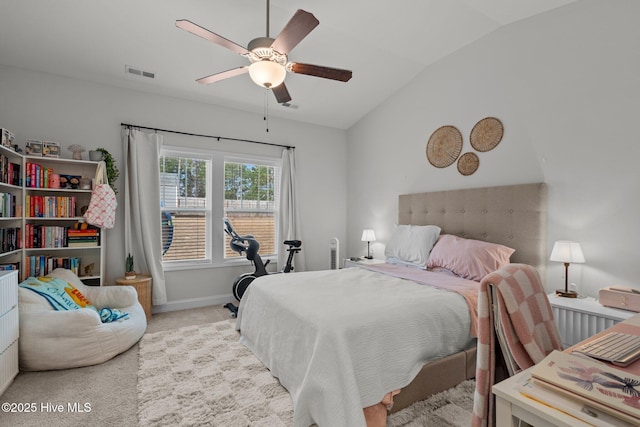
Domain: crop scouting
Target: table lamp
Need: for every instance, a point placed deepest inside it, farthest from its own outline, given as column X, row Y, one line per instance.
column 368, row 236
column 566, row 252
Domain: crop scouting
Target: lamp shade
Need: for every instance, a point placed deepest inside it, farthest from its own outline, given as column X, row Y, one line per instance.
column 267, row 73
column 565, row 251
column 368, row 235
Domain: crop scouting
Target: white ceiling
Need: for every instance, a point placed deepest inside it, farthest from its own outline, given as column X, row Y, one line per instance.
column 385, row 44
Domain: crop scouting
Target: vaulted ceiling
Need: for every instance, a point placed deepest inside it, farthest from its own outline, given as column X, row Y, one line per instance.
column 384, row 43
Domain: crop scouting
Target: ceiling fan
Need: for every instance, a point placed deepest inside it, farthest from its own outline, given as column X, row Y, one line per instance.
column 268, row 56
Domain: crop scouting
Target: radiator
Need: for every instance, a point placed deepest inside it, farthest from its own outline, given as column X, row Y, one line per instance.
column 580, row 318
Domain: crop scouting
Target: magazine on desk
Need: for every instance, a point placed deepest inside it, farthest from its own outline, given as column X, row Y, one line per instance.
column 601, row 386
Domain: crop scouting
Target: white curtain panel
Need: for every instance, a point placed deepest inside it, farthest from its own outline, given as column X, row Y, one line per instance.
column 142, row 223
column 289, row 224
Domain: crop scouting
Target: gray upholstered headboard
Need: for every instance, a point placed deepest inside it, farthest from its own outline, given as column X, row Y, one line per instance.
column 512, row 215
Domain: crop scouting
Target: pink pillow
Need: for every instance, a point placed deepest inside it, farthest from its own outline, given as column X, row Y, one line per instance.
column 467, row 258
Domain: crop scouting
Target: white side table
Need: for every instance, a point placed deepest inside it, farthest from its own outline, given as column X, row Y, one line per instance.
column 512, row 406
column 361, row 261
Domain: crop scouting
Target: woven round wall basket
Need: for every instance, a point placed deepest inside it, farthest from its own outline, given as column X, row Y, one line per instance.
column 486, row 134
column 468, row 163
column 444, row 146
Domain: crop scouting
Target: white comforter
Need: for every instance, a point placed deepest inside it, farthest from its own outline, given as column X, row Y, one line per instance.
column 339, row 340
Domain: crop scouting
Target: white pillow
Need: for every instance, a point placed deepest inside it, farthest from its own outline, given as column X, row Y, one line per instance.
column 412, row 244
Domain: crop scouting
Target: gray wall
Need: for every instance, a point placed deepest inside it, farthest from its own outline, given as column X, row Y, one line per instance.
column 43, row 106
column 566, row 85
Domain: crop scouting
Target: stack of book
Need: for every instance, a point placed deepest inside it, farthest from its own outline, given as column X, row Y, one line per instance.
column 589, row 390
column 83, row 238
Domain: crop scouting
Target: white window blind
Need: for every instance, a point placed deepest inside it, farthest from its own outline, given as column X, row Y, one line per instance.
column 200, row 187
column 251, row 200
column 185, row 203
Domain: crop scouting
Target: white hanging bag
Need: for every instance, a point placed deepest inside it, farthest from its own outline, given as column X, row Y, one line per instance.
column 102, row 207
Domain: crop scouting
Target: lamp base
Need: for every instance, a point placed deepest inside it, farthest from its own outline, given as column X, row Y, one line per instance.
column 566, row 294
column 368, row 257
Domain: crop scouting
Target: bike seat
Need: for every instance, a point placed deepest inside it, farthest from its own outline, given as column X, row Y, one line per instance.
column 294, row 243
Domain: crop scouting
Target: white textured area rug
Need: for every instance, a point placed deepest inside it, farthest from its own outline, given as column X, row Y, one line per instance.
column 203, row 376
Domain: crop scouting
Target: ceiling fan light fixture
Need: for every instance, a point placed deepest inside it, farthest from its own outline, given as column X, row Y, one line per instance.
column 267, row 73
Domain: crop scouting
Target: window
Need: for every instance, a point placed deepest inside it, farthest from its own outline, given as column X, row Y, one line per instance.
column 185, row 204
column 199, row 188
column 251, row 198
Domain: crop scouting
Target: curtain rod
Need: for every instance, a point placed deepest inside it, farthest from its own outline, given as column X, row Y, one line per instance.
column 288, row 147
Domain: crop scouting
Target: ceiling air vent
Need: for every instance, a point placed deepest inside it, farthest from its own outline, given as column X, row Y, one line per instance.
column 138, row 72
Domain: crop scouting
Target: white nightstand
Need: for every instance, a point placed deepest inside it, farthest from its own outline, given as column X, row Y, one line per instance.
column 580, row 318
column 361, row 261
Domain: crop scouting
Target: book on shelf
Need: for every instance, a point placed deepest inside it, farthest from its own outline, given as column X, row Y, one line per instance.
column 51, row 206
column 85, row 232
column 10, row 266
column 37, row 176
column 83, row 237
column 7, row 205
column 82, row 244
column 41, row 265
column 10, row 239
column 601, row 386
column 9, row 171
column 45, row 236
column 51, row 236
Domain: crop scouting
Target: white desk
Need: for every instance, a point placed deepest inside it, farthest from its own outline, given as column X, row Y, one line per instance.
column 512, row 406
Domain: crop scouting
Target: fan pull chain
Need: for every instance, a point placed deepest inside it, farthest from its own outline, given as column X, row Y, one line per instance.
column 266, row 107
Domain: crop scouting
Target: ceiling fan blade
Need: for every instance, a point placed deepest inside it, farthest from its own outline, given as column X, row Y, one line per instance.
column 319, row 71
column 211, row 36
column 281, row 93
column 301, row 24
column 223, row 75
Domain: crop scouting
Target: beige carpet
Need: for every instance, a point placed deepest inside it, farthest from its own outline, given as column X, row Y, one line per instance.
column 110, row 387
column 202, row 376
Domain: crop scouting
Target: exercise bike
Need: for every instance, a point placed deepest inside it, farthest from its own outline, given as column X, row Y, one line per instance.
column 250, row 247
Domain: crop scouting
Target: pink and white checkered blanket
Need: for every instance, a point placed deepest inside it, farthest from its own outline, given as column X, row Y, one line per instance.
column 528, row 326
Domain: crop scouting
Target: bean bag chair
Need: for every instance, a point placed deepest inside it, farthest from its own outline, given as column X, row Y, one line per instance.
column 72, row 337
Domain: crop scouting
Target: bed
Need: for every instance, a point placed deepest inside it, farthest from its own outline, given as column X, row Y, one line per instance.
column 343, row 340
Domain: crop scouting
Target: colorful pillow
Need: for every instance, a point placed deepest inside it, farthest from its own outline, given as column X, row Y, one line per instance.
column 62, row 295
column 468, row 258
column 411, row 244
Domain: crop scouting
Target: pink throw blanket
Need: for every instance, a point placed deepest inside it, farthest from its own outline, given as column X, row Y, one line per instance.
column 528, row 325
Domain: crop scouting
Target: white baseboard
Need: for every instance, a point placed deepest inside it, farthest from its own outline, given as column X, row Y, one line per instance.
column 186, row 304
